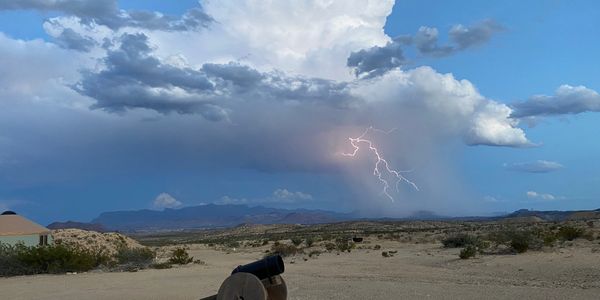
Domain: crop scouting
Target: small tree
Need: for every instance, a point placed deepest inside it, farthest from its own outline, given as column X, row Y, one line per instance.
column 569, row 233
column 468, row 252
column 180, row 256
column 309, row 242
column 296, row 241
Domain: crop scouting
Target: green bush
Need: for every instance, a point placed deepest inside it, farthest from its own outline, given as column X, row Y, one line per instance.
column 232, row 244
column 284, row 250
column 330, row 246
column 520, row 242
column 180, row 256
column 569, row 233
column 22, row 260
column 549, row 239
column 309, row 242
column 468, row 252
column 342, row 245
column 138, row 257
column 459, row 240
column 161, row 266
column 296, row 241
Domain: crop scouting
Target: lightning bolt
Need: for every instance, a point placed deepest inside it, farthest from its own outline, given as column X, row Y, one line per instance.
column 381, row 164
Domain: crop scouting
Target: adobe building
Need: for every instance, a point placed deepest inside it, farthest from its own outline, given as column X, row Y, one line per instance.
column 15, row 229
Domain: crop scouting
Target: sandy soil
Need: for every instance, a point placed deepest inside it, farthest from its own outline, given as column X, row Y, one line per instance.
column 416, row 271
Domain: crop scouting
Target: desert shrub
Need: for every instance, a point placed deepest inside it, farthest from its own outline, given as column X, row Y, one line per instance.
column 180, row 256
column 284, row 250
column 22, row 260
column 232, row 244
column 296, row 241
column 569, row 233
column 330, row 246
column 10, row 265
column 161, row 266
column 138, row 257
column 502, row 237
column 343, row 245
column 376, row 247
column 549, row 239
column 588, row 235
column 468, row 252
column 309, row 242
column 314, row 253
column 385, row 254
column 459, row 240
column 326, row 237
column 265, row 242
column 520, row 242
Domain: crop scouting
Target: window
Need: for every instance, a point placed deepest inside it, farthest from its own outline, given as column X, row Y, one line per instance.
column 43, row 240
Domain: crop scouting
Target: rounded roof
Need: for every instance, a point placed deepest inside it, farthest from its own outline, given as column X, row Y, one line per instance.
column 13, row 224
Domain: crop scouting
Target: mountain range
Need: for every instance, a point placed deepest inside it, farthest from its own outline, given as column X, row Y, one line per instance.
column 229, row 215
column 211, row 216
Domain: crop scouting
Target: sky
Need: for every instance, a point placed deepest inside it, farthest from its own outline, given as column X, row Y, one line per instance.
column 473, row 107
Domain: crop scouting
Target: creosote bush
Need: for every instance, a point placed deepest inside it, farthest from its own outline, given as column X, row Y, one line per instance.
column 459, row 240
column 180, row 256
column 468, row 252
column 284, row 250
column 296, row 241
column 342, row 245
column 52, row 259
column 138, row 257
column 309, row 242
column 161, row 266
column 329, row 247
column 569, row 233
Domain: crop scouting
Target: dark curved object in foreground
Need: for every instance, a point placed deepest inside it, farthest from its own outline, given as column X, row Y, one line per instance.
column 267, row 267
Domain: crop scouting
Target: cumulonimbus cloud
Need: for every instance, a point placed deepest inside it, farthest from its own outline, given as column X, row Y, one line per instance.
column 239, row 94
column 134, row 78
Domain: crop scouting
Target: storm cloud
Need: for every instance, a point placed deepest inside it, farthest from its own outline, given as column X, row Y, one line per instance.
column 566, row 100
column 107, row 13
column 379, row 59
column 239, row 95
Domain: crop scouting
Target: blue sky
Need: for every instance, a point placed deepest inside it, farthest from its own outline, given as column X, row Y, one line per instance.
column 109, row 114
column 548, row 43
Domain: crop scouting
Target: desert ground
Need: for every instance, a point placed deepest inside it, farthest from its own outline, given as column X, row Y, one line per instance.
column 420, row 269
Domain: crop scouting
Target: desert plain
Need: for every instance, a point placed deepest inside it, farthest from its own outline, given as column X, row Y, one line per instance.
column 416, row 266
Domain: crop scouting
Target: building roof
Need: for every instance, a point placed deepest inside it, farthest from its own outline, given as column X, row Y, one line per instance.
column 13, row 224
